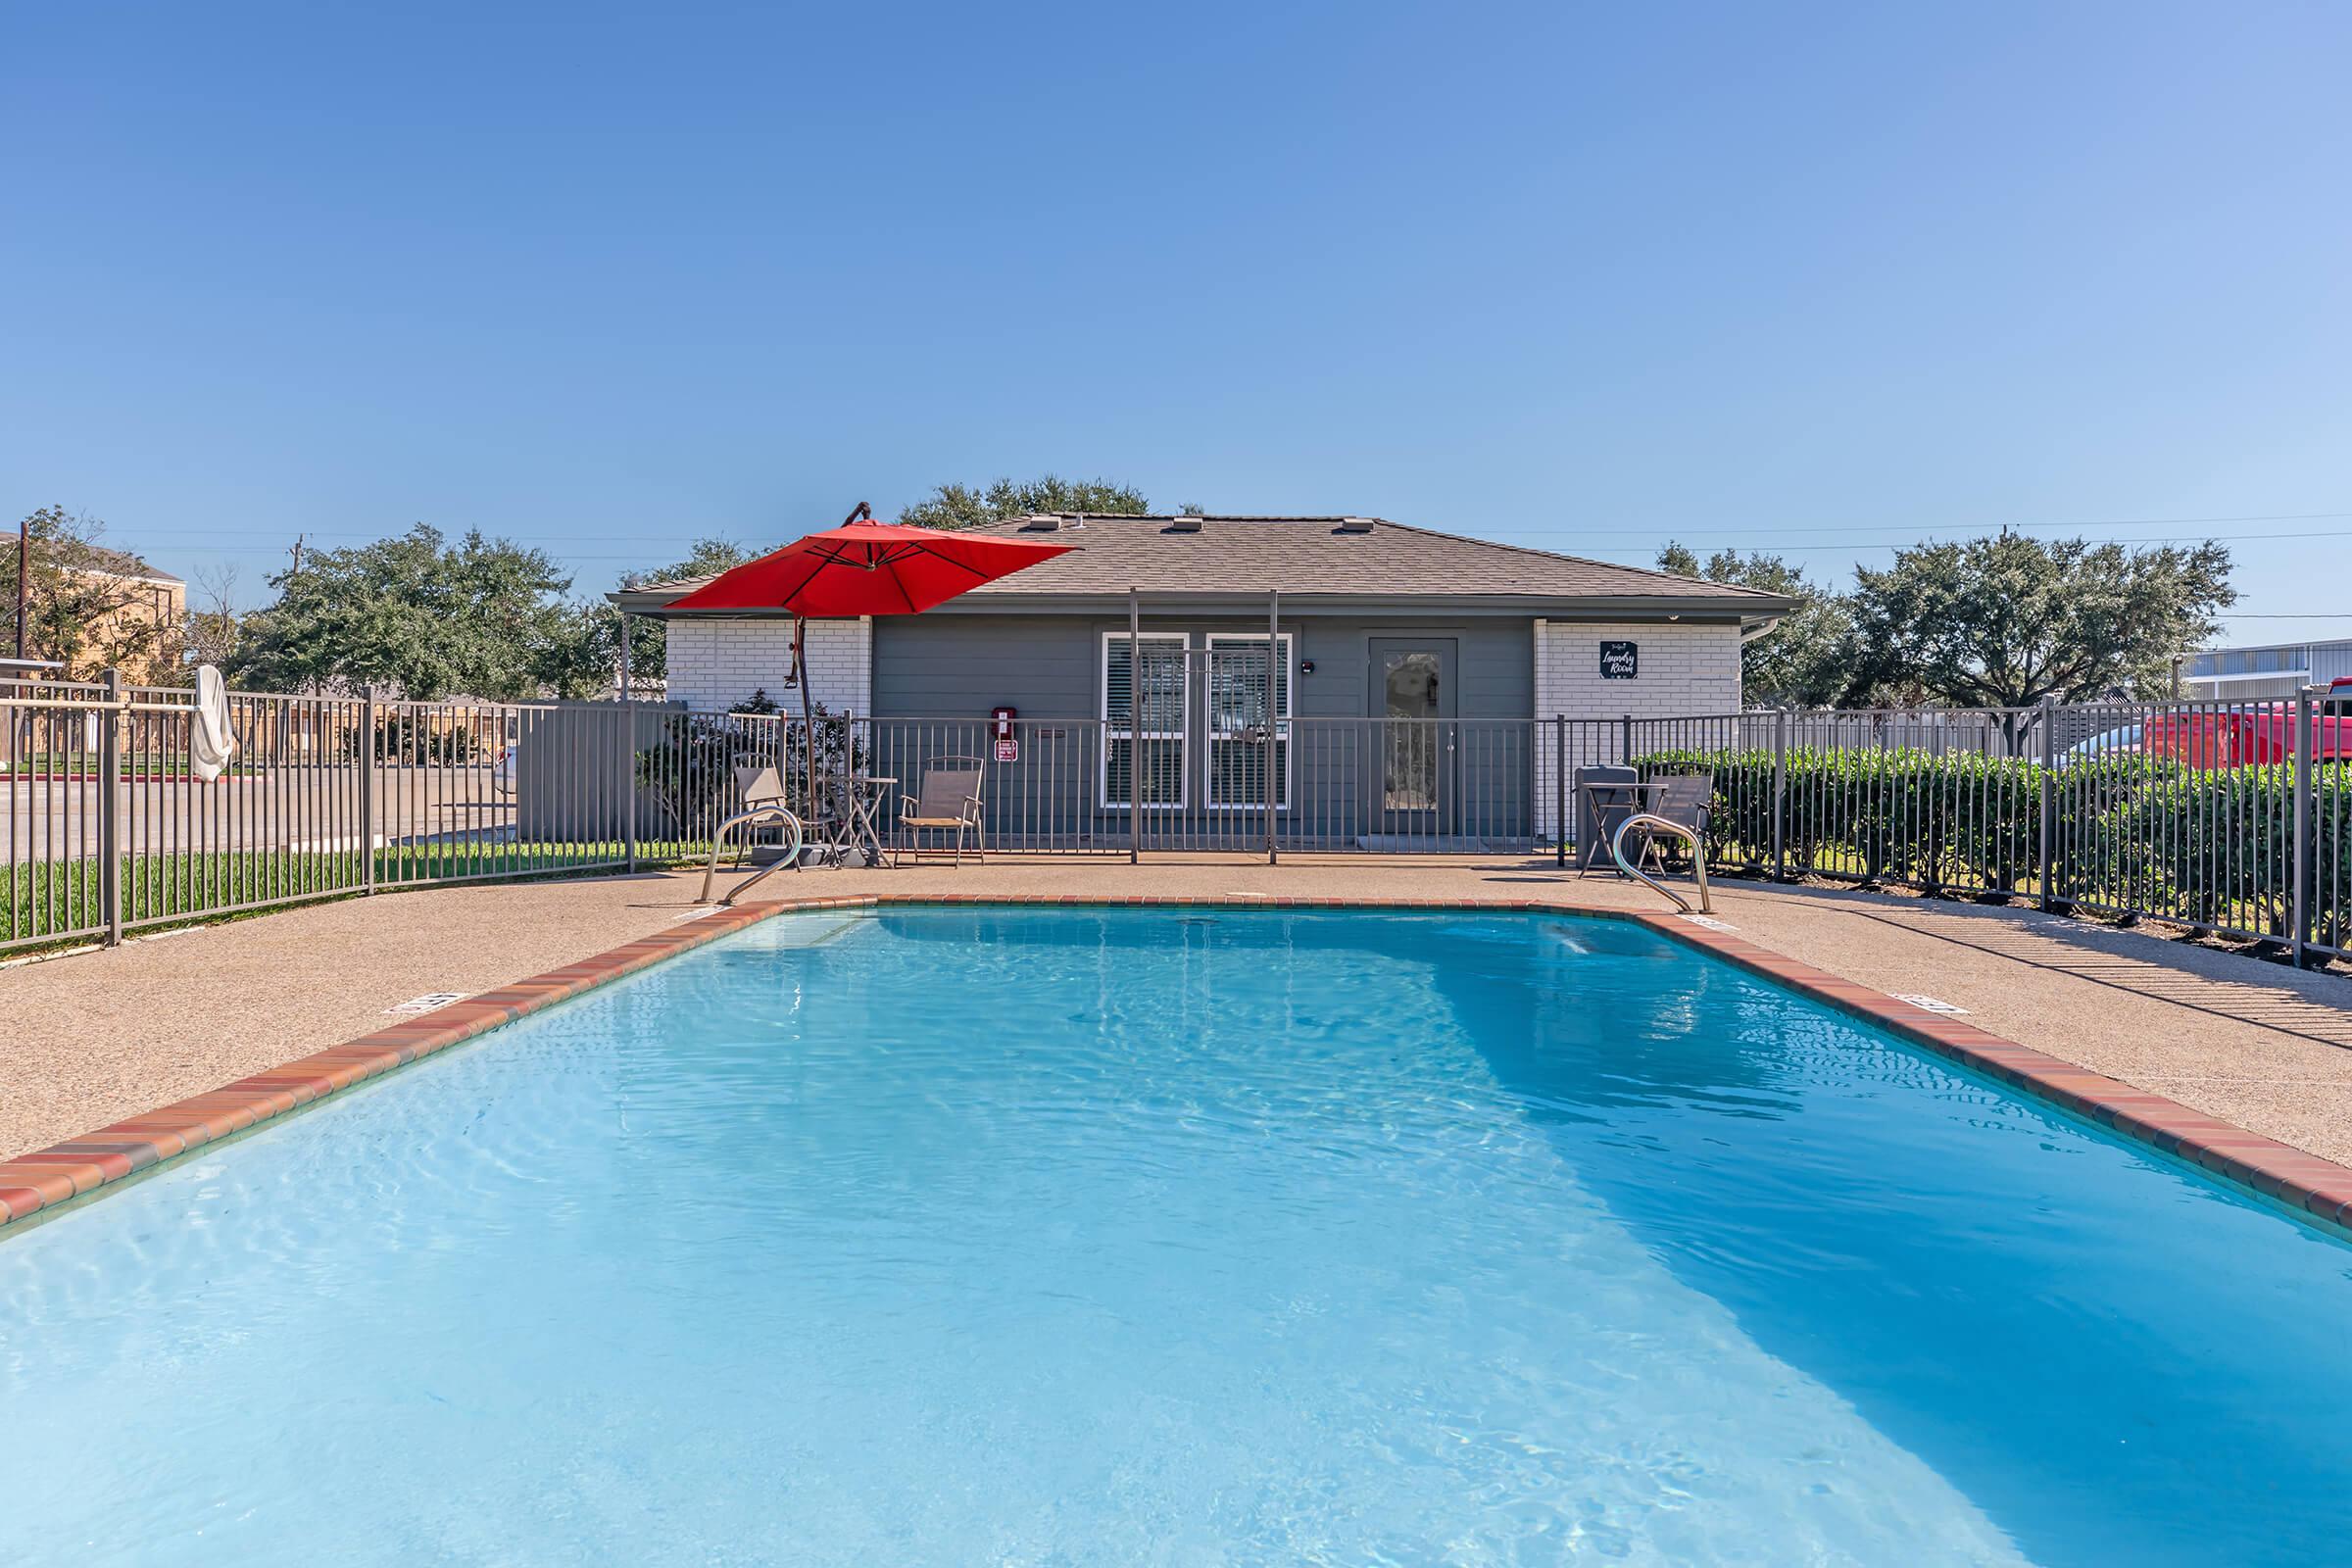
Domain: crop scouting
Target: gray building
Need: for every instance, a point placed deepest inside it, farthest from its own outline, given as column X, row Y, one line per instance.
column 2265, row 671
column 1374, row 620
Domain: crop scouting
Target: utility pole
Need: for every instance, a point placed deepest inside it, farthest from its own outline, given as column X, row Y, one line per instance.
column 298, row 539
column 23, row 558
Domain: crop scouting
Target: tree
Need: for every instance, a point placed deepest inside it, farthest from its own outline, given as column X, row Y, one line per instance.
column 2006, row 620
column 648, row 639
column 577, row 658
column 958, row 506
column 1805, row 661
column 84, row 605
column 414, row 614
column 209, row 632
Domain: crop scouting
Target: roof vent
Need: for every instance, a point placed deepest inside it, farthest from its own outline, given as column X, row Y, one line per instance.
column 1355, row 525
column 1041, row 522
column 1184, row 524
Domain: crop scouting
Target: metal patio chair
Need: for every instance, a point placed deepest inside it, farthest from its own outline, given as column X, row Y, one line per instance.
column 763, row 792
column 949, row 802
column 1682, row 798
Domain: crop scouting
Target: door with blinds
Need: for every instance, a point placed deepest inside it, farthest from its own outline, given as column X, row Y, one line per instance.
column 1248, row 723
column 1147, row 698
column 1196, row 737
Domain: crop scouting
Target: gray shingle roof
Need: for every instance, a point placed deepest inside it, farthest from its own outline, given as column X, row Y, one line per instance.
column 122, row 564
column 1252, row 555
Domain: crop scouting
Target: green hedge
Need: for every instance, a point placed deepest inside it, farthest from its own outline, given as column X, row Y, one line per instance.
column 2207, row 846
column 2216, row 847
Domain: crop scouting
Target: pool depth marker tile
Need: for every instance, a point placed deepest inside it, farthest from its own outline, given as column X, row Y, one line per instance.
column 430, row 1001
column 65, row 1172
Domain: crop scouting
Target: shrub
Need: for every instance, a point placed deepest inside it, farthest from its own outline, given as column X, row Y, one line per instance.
column 2209, row 847
column 405, row 735
column 1937, row 821
column 690, row 771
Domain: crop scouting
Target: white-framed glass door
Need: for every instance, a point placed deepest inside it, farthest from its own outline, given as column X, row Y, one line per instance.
column 1237, row 717
column 1146, row 694
column 1410, row 688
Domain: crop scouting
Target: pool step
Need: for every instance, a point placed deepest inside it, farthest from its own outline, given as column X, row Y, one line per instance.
column 810, row 930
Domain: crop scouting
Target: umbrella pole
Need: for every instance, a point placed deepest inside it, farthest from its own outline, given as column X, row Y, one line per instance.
column 800, row 670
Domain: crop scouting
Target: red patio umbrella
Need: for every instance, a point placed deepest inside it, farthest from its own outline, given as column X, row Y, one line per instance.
column 864, row 568
column 868, row 569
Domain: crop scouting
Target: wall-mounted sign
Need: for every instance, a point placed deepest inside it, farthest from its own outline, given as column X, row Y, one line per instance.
column 1009, row 749
column 1620, row 660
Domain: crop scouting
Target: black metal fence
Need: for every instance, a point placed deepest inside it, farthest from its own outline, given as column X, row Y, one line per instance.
column 2233, row 817
column 106, row 826
column 1303, row 785
column 2230, row 818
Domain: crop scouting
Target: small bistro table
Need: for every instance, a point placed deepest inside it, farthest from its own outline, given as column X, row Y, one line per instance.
column 863, row 831
column 1612, row 802
column 848, row 824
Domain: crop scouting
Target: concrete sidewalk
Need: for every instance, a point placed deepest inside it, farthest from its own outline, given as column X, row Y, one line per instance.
column 99, row 1036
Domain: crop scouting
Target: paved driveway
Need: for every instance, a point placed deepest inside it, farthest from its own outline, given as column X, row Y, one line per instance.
column 285, row 808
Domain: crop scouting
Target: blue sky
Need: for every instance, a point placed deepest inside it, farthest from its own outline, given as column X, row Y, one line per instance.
column 1815, row 279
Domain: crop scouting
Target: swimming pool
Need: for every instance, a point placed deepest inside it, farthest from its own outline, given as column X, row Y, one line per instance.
column 1043, row 1236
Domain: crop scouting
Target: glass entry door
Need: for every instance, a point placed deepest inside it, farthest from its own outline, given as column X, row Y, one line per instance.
column 1411, row 685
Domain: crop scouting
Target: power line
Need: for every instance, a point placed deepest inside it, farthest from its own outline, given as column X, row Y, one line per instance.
column 1668, row 532
column 2013, row 527
column 1764, row 544
column 1768, row 545
column 1760, row 541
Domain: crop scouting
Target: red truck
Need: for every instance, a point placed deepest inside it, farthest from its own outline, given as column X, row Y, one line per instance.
column 2253, row 736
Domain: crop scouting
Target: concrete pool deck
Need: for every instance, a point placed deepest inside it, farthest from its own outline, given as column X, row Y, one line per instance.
column 101, row 1036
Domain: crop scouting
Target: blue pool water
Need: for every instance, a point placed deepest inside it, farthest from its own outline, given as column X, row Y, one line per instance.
column 1056, row 1237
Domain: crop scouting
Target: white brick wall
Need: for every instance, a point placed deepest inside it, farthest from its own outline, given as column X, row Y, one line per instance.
column 713, row 665
column 1685, row 669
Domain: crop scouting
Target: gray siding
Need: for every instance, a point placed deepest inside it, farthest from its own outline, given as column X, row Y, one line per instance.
column 952, row 669
column 959, row 666
column 1050, row 666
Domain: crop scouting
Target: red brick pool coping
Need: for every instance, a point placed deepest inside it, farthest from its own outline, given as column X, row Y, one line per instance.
column 63, row 1173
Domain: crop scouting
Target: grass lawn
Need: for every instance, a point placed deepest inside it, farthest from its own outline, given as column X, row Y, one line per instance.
column 136, row 764
column 57, row 900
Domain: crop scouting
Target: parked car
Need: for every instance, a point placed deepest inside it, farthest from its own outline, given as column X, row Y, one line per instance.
column 2122, row 742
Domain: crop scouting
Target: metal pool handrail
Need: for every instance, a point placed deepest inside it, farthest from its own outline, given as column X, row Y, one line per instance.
column 1645, row 819
column 756, row 816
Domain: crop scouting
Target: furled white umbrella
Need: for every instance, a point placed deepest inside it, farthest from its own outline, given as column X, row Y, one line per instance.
column 211, row 741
